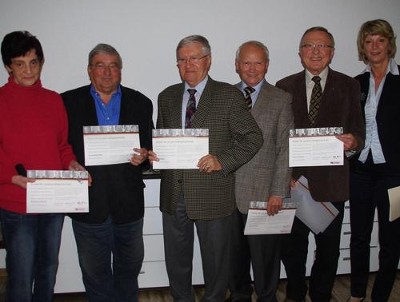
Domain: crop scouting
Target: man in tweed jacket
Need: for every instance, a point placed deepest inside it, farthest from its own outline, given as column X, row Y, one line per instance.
column 204, row 197
column 265, row 177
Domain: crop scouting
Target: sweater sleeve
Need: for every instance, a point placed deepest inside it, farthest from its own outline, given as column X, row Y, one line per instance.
column 65, row 149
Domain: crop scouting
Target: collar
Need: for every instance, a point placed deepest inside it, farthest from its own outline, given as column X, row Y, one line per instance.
column 323, row 75
column 392, row 67
column 93, row 92
column 199, row 87
column 257, row 87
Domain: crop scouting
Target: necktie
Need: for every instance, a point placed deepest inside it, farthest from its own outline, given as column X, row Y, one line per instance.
column 248, row 91
column 315, row 101
column 190, row 108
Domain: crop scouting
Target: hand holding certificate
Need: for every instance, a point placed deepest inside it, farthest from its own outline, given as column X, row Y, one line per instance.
column 179, row 148
column 108, row 145
column 55, row 191
column 315, row 147
column 259, row 222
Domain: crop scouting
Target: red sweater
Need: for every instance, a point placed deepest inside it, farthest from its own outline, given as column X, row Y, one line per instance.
column 33, row 132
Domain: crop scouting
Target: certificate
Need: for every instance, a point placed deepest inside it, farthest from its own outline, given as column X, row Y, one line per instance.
column 259, row 222
column 57, row 192
column 314, row 214
column 179, row 148
column 315, row 147
column 394, row 203
column 109, row 145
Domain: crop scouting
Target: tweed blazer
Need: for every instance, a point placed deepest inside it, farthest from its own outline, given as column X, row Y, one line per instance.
column 387, row 116
column 234, row 138
column 268, row 172
column 340, row 107
column 128, row 205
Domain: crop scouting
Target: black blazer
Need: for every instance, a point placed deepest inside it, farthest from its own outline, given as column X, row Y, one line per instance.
column 117, row 190
column 387, row 116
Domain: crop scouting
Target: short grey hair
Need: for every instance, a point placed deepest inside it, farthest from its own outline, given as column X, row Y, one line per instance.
column 206, row 49
column 106, row 49
column 253, row 43
column 318, row 28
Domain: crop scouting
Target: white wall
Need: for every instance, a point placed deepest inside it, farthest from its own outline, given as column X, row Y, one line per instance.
column 146, row 33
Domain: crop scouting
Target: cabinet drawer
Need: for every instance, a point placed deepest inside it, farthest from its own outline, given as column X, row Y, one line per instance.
column 345, row 236
column 153, row 274
column 152, row 221
column 153, row 248
column 152, row 192
column 346, row 216
column 344, row 262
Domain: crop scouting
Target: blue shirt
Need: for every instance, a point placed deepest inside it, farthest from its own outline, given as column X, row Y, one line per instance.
column 372, row 141
column 107, row 114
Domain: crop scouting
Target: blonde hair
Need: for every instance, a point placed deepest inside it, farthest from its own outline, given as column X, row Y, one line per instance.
column 375, row 27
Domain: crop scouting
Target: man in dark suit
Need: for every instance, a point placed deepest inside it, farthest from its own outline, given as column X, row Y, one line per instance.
column 338, row 107
column 203, row 197
column 109, row 238
column 266, row 177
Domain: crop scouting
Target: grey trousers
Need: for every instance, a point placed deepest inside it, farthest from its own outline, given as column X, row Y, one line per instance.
column 214, row 238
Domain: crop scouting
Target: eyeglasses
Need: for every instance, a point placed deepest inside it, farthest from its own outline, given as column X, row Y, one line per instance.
column 312, row 46
column 192, row 60
column 102, row 66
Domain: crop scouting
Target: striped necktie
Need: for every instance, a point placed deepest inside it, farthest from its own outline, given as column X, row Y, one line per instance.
column 248, row 91
column 190, row 108
column 315, row 101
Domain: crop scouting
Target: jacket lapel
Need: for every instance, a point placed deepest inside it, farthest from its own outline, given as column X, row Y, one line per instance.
column 204, row 105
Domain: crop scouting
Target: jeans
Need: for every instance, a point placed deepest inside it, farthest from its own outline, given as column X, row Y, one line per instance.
column 110, row 257
column 32, row 243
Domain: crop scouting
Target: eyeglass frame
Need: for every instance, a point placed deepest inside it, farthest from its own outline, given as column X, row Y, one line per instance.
column 192, row 60
column 103, row 66
column 313, row 46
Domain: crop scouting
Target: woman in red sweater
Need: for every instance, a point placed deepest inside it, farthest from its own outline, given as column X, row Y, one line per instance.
column 33, row 134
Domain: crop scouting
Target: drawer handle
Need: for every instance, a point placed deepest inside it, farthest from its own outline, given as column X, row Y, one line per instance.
column 346, row 258
column 347, row 233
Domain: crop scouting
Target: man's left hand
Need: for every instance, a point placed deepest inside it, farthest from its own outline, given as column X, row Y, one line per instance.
column 139, row 156
column 274, row 205
column 349, row 141
column 209, row 163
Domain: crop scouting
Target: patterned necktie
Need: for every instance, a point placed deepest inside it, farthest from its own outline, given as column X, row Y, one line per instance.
column 248, row 91
column 315, row 101
column 190, row 108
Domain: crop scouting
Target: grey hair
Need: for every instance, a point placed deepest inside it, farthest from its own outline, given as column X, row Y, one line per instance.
column 254, row 43
column 206, row 49
column 318, row 28
column 106, row 49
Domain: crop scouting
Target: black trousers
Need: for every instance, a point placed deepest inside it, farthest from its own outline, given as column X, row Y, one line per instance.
column 263, row 252
column 323, row 272
column 368, row 191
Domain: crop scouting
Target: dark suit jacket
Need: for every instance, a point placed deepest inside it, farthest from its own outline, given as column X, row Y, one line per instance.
column 268, row 172
column 387, row 116
column 128, row 204
column 234, row 138
column 340, row 107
